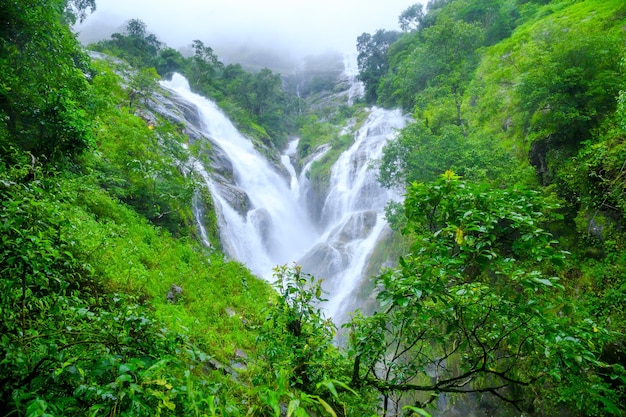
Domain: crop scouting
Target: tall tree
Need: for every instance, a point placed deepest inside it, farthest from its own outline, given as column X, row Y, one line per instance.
column 76, row 10
column 135, row 45
column 411, row 17
column 43, row 89
column 451, row 47
column 205, row 66
column 372, row 59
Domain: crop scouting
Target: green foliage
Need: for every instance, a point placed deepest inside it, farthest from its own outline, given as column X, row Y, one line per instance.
column 140, row 162
column 204, row 66
column 43, row 89
column 296, row 335
column 300, row 365
column 169, row 61
column 483, row 301
column 70, row 346
column 76, row 10
column 497, row 18
column 439, row 63
column 411, row 17
column 85, row 324
column 313, row 133
column 372, row 59
column 438, row 57
column 142, row 85
column 476, row 302
column 569, row 84
column 563, row 100
column 419, row 155
column 553, row 87
column 135, row 45
column 255, row 102
column 321, row 168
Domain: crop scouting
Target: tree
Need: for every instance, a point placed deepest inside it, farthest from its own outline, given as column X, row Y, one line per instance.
column 44, row 90
column 476, row 306
column 169, row 61
column 76, row 10
column 418, row 155
column 70, row 346
column 569, row 85
column 135, row 45
column 136, row 28
column 142, row 85
column 296, row 335
column 435, row 63
column 451, row 47
column 411, row 17
column 297, row 351
column 266, row 88
column 205, row 66
column 497, row 17
column 372, row 59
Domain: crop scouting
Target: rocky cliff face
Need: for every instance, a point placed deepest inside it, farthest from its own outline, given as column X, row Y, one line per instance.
column 184, row 114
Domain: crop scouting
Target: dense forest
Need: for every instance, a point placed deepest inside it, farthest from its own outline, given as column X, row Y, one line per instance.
column 508, row 292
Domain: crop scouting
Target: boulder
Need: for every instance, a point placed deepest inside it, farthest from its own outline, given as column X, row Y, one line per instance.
column 174, row 294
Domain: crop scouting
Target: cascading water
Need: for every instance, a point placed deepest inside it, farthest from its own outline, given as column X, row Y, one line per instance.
column 268, row 230
column 351, row 72
column 265, row 218
column 290, row 153
column 352, row 215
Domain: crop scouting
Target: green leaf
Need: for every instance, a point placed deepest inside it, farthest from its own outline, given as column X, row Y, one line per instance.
column 330, row 386
column 327, row 407
column 124, row 378
column 417, row 410
column 543, row 281
column 293, row 406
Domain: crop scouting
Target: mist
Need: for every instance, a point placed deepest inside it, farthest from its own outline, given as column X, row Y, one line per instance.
column 294, row 28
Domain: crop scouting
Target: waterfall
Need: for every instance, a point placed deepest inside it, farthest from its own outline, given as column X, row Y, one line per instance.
column 260, row 221
column 286, row 157
column 352, row 215
column 265, row 213
column 351, row 72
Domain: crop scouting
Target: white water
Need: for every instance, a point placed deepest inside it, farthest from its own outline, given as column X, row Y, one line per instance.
column 351, row 72
column 277, row 228
column 290, row 152
column 352, row 216
column 274, row 231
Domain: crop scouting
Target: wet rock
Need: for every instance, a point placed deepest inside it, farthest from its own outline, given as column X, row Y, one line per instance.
column 221, row 165
column 358, row 227
column 240, row 354
column 262, row 221
column 325, row 260
column 537, row 156
column 147, row 116
column 174, row 293
column 236, row 197
column 596, row 230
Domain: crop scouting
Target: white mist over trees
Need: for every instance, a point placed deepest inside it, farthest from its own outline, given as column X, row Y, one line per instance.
column 297, row 28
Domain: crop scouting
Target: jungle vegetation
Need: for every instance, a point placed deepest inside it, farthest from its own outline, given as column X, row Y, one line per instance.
column 509, row 290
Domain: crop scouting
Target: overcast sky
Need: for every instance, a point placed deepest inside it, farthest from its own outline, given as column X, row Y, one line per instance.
column 309, row 27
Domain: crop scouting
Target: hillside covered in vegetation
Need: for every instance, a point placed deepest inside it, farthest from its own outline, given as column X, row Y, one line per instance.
column 508, row 294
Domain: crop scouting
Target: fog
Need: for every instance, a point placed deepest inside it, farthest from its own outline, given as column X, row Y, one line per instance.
column 295, row 27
